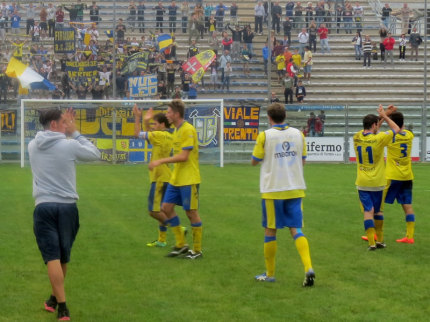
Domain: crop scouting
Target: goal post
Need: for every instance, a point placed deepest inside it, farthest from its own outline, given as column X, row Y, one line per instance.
column 109, row 124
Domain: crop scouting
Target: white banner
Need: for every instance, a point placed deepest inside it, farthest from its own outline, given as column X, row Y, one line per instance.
column 428, row 149
column 324, row 148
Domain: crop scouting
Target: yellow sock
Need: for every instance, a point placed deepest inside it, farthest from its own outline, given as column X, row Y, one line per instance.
column 379, row 227
column 179, row 236
column 370, row 232
column 162, row 232
column 197, row 236
column 270, row 247
column 302, row 246
column 410, row 225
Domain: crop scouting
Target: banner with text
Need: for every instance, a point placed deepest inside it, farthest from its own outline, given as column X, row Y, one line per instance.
column 8, row 122
column 82, row 71
column 143, row 86
column 241, row 123
column 64, row 41
column 325, row 148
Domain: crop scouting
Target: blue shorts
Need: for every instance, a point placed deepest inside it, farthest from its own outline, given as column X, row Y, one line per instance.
column 185, row 196
column 55, row 226
column 370, row 199
column 156, row 195
column 400, row 190
column 307, row 69
column 280, row 213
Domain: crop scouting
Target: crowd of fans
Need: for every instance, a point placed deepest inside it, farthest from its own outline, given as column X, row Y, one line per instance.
column 218, row 25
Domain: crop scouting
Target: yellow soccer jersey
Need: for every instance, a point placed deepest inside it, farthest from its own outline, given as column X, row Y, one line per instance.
column 259, row 153
column 297, row 60
column 186, row 173
column 399, row 165
column 18, row 50
column 161, row 148
column 369, row 151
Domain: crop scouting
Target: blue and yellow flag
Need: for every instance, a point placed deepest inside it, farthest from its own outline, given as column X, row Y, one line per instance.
column 164, row 41
column 109, row 33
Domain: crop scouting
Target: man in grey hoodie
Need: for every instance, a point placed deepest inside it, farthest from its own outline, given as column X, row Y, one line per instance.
column 56, row 218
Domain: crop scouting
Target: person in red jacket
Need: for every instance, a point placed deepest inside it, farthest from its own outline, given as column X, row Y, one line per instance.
column 226, row 41
column 389, row 48
column 323, row 33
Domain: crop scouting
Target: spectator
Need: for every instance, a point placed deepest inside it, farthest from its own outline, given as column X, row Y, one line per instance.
column 43, row 22
column 94, row 13
column 224, row 59
column 132, row 16
column 389, row 47
column 4, row 10
column 280, row 65
column 214, row 73
column 51, row 19
column 311, row 124
column 159, row 13
column 358, row 16
column 259, row 13
column 357, row 41
column 274, row 99
column 121, row 84
column 367, row 51
column 214, row 42
column 276, row 17
column 193, row 28
column 289, row 7
column 298, row 15
column 382, row 34
column 415, row 40
column 94, row 33
column 287, row 26
column 386, row 13
column 307, row 63
column 14, row 22
column 4, row 84
column 219, row 15
column 300, row 92
column 347, row 18
column 339, row 16
column 208, row 14
column 405, row 13
column 265, row 52
column 233, row 13
column 73, row 13
column 303, row 41
column 288, row 83
column 186, row 85
column 141, row 17
column 313, row 36
column 80, row 11
column 246, row 56
column 177, row 94
column 59, row 18
column 248, row 36
column 237, row 39
column 192, row 94
column 193, row 50
column 120, row 31
column 35, row 32
column 2, row 28
column 319, row 13
column 323, row 33
column 321, row 117
column 31, row 14
column 228, row 71
column 185, row 10
column 402, row 47
column 318, row 126
column 227, row 41
column 309, row 13
column 173, row 9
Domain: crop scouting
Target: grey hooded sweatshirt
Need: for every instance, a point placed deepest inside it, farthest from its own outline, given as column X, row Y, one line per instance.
column 52, row 160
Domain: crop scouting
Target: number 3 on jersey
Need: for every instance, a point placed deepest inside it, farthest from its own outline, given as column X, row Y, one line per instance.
column 360, row 154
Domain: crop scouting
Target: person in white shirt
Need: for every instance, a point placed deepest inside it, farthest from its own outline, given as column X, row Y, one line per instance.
column 303, row 41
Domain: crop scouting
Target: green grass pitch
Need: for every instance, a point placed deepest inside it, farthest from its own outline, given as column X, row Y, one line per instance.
column 113, row 276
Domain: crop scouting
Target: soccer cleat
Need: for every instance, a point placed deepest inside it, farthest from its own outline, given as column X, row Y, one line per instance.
column 51, row 304
column 63, row 315
column 193, row 255
column 156, row 243
column 371, row 248
column 366, row 239
column 309, row 278
column 405, row 240
column 176, row 251
column 380, row 245
column 264, row 278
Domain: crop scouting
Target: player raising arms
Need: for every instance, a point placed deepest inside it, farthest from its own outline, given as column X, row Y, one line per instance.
column 369, row 149
column 161, row 140
column 399, row 175
column 183, row 187
column 282, row 152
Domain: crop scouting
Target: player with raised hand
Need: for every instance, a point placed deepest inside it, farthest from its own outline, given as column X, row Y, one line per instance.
column 369, row 146
column 56, row 218
column 399, row 175
column 183, row 187
column 160, row 137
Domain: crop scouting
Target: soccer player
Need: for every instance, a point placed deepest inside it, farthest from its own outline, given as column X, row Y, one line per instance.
column 183, row 187
column 282, row 153
column 161, row 140
column 369, row 149
column 399, row 175
column 56, row 218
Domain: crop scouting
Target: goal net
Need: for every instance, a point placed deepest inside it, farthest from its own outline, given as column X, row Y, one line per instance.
column 109, row 124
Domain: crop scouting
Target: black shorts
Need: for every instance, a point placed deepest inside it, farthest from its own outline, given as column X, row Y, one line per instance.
column 55, row 227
